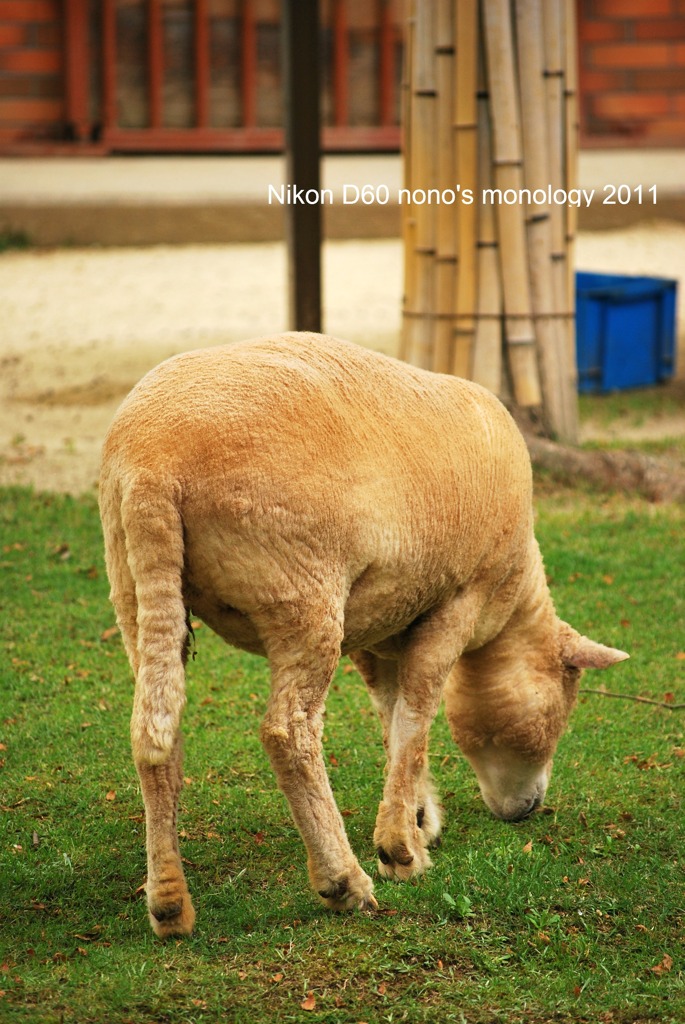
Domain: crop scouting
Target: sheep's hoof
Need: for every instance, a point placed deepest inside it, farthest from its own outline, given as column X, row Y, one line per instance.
column 369, row 903
column 399, row 862
column 171, row 918
column 349, row 893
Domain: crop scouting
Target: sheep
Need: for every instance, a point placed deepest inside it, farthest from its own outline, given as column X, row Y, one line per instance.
column 308, row 498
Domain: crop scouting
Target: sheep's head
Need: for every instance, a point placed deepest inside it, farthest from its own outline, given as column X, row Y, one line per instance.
column 507, row 706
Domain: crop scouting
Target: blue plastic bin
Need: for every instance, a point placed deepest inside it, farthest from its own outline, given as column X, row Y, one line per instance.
column 625, row 331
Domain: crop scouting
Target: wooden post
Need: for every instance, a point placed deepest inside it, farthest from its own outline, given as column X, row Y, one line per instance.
column 303, row 221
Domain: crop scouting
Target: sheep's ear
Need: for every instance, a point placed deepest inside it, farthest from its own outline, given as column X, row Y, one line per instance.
column 579, row 652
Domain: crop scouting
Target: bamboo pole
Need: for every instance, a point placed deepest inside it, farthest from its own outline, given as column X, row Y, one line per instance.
column 550, row 327
column 466, row 166
column 407, row 218
column 446, row 252
column 519, row 329
column 571, row 168
column 420, row 341
column 487, row 352
column 554, row 27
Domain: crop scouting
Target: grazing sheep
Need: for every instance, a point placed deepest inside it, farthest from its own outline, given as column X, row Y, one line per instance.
column 308, row 498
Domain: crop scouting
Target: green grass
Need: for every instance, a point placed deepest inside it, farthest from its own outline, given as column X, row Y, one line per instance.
column 565, row 929
column 11, row 239
column 647, row 414
column 671, row 448
column 635, row 406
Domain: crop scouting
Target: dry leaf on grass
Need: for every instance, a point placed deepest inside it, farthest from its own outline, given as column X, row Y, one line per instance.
column 664, row 967
column 309, row 1003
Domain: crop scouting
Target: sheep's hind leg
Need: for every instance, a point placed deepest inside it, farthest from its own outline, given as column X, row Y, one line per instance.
column 169, row 905
column 380, row 676
column 170, row 909
column 291, row 734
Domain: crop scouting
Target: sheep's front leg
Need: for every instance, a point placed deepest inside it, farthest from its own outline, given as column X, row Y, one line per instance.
column 291, row 734
column 400, row 838
column 431, row 647
column 169, row 905
column 380, row 676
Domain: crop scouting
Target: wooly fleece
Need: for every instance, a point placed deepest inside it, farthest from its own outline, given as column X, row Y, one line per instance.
column 307, row 498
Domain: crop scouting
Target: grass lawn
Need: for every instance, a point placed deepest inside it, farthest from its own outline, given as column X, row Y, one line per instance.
column 653, row 412
column 574, row 915
column 634, row 407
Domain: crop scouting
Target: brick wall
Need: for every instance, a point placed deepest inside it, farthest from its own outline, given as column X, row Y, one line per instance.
column 632, row 72
column 31, row 73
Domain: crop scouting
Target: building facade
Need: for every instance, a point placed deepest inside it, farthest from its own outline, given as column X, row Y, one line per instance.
column 104, row 76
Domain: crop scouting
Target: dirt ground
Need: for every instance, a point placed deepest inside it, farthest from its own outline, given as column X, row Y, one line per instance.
column 80, row 327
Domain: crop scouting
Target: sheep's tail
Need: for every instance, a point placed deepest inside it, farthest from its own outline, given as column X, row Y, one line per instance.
column 144, row 549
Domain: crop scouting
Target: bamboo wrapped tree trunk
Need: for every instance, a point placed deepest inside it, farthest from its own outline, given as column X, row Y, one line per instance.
column 490, row 118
